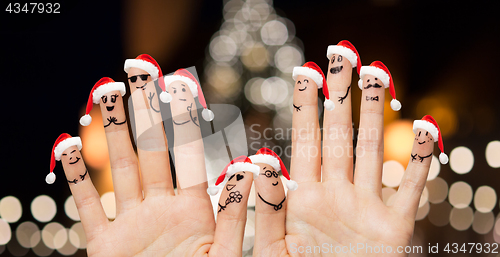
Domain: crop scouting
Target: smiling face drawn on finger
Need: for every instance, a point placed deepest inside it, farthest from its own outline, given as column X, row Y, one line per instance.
column 424, row 144
column 237, row 183
column 182, row 105
column 269, row 187
column 138, row 79
column 71, row 157
column 337, row 63
column 112, row 109
column 305, row 92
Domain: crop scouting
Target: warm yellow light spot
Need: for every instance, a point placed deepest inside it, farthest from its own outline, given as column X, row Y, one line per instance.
column 5, row 232
column 28, row 234
column 485, row 199
column 461, row 219
column 43, row 208
column 423, row 211
column 493, row 154
column 392, row 172
column 483, row 222
column 460, row 195
column 70, row 209
column 438, row 190
column 439, row 214
column 447, row 120
column 95, row 147
column 461, row 160
column 398, row 140
column 10, row 209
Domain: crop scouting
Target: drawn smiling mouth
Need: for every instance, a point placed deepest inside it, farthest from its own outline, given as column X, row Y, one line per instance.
column 143, row 87
column 421, row 143
column 275, row 184
column 336, row 70
column 77, row 159
column 182, row 99
column 110, row 108
column 180, row 123
column 302, row 89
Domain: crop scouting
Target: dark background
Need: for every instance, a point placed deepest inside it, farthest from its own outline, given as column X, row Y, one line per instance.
column 49, row 63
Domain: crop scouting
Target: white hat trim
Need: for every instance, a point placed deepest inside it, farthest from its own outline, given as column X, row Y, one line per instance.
column 267, row 159
column 65, row 144
column 191, row 84
column 422, row 124
column 143, row 65
column 308, row 72
column 374, row 71
column 344, row 51
column 242, row 166
column 106, row 88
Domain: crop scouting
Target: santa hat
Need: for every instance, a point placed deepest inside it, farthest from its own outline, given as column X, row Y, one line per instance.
column 268, row 156
column 63, row 142
column 102, row 87
column 238, row 164
column 379, row 70
column 346, row 49
column 144, row 62
column 429, row 124
column 188, row 78
column 313, row 71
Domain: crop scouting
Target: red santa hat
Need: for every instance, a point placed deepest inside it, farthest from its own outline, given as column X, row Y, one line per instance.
column 188, row 78
column 268, row 156
column 429, row 124
column 313, row 71
column 379, row 70
column 346, row 49
column 102, row 87
column 63, row 142
column 241, row 163
column 144, row 62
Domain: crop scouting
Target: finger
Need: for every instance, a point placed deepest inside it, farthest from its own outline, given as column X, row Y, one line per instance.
column 188, row 144
column 86, row 198
column 337, row 123
column 413, row 181
column 270, row 209
column 232, row 213
column 306, row 136
column 370, row 146
column 152, row 145
column 124, row 168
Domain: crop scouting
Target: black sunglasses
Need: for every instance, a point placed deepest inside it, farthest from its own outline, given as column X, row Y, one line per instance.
column 143, row 77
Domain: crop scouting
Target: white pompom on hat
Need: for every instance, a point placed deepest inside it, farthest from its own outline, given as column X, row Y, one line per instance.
column 63, row 142
column 195, row 88
column 268, row 156
column 314, row 72
column 379, row 70
column 429, row 124
column 241, row 163
column 102, row 87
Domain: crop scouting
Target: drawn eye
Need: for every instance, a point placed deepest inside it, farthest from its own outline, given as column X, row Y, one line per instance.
column 269, row 173
column 113, row 98
column 104, row 99
column 175, row 91
column 376, row 78
column 419, row 133
column 306, row 80
column 232, row 176
column 275, row 174
column 298, row 82
column 368, row 80
column 183, row 90
column 427, row 133
column 333, row 58
column 340, row 58
column 64, row 154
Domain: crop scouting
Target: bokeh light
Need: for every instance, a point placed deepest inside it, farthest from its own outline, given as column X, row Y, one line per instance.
column 5, row 232
column 424, row 197
column 461, row 160
column 67, row 248
column 387, row 192
column 287, row 57
column 493, row 154
column 255, row 57
column 461, row 219
column 77, row 236
column 485, row 199
column 460, row 194
column 43, row 208
column 435, row 168
column 70, row 209
column 398, row 141
column 438, row 190
column 28, row 234
column 42, row 250
column 274, row 90
column 10, row 209
column 223, row 48
column 423, row 211
column 439, row 215
column 274, row 33
column 392, row 173
column 94, row 144
column 483, row 222
column 53, row 235
column 253, row 91
column 109, row 204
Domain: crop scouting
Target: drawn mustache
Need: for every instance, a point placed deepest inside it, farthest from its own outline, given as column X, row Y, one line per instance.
column 336, row 70
column 376, row 85
column 114, row 120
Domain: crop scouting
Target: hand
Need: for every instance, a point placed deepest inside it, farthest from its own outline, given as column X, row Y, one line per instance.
column 151, row 220
column 335, row 208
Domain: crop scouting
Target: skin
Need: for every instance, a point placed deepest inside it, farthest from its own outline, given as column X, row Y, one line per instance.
column 234, row 215
column 422, row 138
column 305, row 93
column 338, row 205
column 71, row 160
column 151, row 219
